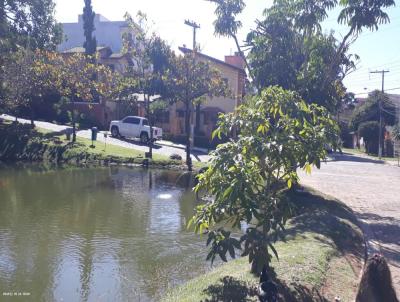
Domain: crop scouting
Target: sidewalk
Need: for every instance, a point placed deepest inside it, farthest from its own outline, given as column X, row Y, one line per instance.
column 371, row 188
column 180, row 146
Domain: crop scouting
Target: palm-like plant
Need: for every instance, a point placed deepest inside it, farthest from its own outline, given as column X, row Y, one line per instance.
column 226, row 24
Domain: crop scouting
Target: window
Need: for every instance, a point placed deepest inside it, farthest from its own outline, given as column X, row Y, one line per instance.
column 181, row 113
column 210, row 118
column 145, row 122
column 131, row 120
column 162, row 116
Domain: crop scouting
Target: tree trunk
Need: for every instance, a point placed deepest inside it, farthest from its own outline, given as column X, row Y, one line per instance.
column 150, row 124
column 243, row 57
column 2, row 18
column 32, row 109
column 197, row 128
column 3, row 30
column 337, row 56
column 188, row 130
column 73, row 121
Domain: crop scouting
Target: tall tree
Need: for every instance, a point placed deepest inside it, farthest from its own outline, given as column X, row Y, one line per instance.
column 151, row 57
column 73, row 77
column 292, row 28
column 377, row 106
column 295, row 56
column 29, row 79
column 33, row 19
column 89, row 15
column 226, row 24
column 29, row 24
column 190, row 81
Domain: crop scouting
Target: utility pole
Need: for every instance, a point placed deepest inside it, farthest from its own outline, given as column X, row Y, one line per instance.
column 195, row 27
column 382, row 72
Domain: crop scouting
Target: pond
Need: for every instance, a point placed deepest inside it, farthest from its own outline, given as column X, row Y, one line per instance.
column 98, row 234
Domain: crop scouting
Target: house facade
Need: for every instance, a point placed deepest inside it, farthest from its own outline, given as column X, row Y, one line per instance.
column 108, row 33
column 204, row 120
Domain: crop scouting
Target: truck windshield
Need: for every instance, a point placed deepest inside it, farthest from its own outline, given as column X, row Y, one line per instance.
column 145, row 122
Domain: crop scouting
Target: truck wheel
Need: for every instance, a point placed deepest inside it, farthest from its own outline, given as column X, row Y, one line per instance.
column 144, row 138
column 114, row 131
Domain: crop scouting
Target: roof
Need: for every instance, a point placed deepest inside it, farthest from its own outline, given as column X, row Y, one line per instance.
column 82, row 50
column 140, row 98
column 187, row 50
column 109, row 54
column 117, row 56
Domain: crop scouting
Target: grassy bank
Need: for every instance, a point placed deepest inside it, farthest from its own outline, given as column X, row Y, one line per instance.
column 321, row 259
column 21, row 143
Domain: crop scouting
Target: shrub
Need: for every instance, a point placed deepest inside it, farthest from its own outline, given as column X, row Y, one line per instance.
column 248, row 176
column 369, row 131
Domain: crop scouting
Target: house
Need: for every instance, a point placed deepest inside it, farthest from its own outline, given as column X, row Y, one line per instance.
column 102, row 112
column 108, row 33
column 173, row 120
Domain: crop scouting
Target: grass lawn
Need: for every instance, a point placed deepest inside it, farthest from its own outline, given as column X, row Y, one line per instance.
column 23, row 143
column 321, row 259
column 99, row 147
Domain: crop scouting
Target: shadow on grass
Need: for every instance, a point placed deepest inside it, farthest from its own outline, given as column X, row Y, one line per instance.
column 315, row 214
column 330, row 218
column 229, row 289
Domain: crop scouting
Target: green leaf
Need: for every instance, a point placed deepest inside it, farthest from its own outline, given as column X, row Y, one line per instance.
column 274, row 251
column 190, row 222
column 308, row 168
column 227, row 192
column 289, row 183
column 214, row 134
column 231, row 251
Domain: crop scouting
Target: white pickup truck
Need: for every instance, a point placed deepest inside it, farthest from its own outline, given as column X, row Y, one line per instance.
column 134, row 127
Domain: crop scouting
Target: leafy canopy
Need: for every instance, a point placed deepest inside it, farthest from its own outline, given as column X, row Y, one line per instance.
column 247, row 176
column 90, row 43
column 369, row 111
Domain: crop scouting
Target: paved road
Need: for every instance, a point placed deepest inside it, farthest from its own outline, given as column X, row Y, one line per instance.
column 372, row 190
column 167, row 148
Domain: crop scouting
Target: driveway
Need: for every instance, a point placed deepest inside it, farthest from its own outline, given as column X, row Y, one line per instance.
column 163, row 148
column 372, row 189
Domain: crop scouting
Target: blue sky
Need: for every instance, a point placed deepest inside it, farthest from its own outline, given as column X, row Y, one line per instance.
column 378, row 50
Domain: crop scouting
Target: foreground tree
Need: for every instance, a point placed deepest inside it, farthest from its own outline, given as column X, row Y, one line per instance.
column 190, row 81
column 247, row 177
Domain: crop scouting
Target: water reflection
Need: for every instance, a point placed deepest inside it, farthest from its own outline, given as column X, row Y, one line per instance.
column 106, row 234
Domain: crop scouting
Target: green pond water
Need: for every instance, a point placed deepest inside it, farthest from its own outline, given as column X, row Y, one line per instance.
column 99, row 234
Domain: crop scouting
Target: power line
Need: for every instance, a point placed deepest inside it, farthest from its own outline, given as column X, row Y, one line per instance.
column 390, row 89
